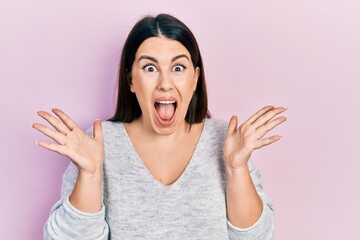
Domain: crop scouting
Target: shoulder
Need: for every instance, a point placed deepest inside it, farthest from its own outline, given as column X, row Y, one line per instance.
column 111, row 131
column 107, row 127
column 215, row 129
column 216, row 125
column 111, row 127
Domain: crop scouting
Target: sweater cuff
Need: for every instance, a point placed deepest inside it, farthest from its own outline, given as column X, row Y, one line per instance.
column 67, row 222
column 80, row 214
column 262, row 229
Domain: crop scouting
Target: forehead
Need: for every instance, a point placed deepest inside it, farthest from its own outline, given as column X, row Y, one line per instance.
column 161, row 48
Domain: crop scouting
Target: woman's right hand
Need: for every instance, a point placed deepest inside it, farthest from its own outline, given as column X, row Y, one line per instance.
column 86, row 152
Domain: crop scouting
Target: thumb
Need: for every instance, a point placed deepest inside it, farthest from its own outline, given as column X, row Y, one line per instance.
column 98, row 130
column 232, row 124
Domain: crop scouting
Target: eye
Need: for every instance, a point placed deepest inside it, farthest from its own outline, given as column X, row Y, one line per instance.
column 179, row 68
column 149, row 68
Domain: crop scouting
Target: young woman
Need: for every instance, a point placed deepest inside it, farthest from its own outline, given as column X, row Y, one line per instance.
column 161, row 168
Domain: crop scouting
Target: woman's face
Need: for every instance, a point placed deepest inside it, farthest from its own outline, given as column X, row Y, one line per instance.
column 163, row 79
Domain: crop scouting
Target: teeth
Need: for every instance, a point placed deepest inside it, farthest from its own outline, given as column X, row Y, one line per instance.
column 166, row 102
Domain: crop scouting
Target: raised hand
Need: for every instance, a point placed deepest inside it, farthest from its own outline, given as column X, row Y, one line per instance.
column 241, row 142
column 86, row 152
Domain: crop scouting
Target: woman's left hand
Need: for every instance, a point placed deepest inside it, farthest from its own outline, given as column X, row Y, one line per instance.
column 241, row 142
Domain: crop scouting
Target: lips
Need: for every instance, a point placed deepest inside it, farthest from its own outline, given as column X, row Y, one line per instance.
column 165, row 109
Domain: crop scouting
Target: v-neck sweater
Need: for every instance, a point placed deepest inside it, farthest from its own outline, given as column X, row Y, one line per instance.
column 137, row 206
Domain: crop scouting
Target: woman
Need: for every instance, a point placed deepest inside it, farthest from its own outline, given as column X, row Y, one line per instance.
column 161, row 168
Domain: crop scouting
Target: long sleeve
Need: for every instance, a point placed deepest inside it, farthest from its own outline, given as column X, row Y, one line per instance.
column 263, row 228
column 67, row 222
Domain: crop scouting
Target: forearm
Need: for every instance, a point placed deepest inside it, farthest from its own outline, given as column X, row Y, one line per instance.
column 86, row 195
column 67, row 221
column 244, row 206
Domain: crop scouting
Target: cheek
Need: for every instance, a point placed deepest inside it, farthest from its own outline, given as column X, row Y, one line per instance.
column 192, row 84
column 193, row 79
column 188, row 87
column 137, row 82
column 143, row 89
column 187, row 80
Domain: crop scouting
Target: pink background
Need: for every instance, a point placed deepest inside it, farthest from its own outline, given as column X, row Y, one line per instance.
column 303, row 54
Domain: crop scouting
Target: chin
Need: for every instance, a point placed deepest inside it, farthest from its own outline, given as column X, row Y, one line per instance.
column 165, row 128
column 168, row 127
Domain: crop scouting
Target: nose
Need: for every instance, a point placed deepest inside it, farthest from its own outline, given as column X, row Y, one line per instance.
column 165, row 82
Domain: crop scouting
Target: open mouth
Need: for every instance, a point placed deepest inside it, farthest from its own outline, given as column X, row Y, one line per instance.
column 165, row 110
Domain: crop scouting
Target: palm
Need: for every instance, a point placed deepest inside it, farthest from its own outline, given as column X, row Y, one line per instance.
column 86, row 152
column 235, row 150
column 241, row 142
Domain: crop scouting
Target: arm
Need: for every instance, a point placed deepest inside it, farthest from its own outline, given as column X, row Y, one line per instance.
column 244, row 205
column 245, row 208
column 261, row 227
column 67, row 222
column 80, row 212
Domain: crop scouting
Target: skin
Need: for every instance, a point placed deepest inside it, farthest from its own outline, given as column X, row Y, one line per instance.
column 168, row 73
column 244, row 205
column 163, row 70
column 86, row 152
column 164, row 78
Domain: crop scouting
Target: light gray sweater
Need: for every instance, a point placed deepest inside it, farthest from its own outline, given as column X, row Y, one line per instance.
column 137, row 206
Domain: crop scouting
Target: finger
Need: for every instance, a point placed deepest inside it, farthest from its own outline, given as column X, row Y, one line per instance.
column 232, row 124
column 56, row 123
column 56, row 136
column 268, row 116
column 98, row 130
column 52, row 147
column 65, row 118
column 258, row 114
column 266, row 141
column 262, row 130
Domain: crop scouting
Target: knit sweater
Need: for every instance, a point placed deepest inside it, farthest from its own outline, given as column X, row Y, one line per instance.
column 137, row 206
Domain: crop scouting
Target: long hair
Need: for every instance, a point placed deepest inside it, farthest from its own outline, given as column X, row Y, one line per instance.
column 128, row 108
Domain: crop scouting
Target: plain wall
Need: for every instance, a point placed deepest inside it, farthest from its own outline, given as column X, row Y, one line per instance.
column 304, row 55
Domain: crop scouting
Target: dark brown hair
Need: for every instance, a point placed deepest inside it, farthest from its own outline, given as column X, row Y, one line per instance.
column 128, row 108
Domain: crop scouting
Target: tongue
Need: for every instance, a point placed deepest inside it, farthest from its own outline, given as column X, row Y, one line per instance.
column 165, row 111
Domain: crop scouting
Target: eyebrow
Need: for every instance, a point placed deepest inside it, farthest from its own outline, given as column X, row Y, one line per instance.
column 179, row 56
column 156, row 61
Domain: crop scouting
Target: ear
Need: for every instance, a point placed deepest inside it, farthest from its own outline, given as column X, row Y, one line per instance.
column 130, row 82
column 132, row 87
column 197, row 74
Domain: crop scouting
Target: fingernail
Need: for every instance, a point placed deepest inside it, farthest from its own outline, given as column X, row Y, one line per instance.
column 98, row 119
column 37, row 143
